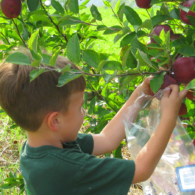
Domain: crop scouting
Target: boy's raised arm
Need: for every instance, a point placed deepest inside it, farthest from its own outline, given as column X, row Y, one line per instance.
column 112, row 135
column 149, row 156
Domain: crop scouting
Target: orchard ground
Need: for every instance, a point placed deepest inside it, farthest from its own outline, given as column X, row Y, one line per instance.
column 12, row 137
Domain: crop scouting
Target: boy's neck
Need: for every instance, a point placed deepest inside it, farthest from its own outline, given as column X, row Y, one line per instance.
column 37, row 139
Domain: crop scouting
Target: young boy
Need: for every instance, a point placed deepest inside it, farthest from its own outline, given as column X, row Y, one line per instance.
column 56, row 159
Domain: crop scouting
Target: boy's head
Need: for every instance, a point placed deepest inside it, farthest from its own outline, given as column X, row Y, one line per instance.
column 27, row 103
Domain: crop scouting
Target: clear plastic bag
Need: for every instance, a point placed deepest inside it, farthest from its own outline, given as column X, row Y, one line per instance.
column 175, row 172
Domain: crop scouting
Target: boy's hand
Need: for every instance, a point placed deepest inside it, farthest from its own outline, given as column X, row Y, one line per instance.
column 171, row 101
column 144, row 87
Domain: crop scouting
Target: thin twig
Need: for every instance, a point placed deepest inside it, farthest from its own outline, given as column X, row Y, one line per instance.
column 148, row 13
column 80, row 21
column 57, row 27
column 6, row 38
column 116, row 16
column 19, row 33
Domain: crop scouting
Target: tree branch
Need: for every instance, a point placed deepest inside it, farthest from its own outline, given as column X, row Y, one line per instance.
column 116, row 16
column 119, row 75
column 57, row 27
column 6, row 38
column 19, row 33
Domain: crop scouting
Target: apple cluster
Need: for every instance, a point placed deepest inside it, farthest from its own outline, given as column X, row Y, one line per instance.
column 146, row 5
column 182, row 70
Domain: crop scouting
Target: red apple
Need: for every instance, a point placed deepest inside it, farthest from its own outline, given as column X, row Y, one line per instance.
column 193, row 142
column 143, row 3
column 190, row 95
column 184, row 69
column 11, row 8
column 183, row 14
column 157, row 30
column 183, row 110
column 166, row 82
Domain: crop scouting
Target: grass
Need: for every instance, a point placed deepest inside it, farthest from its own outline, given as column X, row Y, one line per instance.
column 12, row 137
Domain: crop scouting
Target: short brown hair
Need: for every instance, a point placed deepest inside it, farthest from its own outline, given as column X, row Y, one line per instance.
column 27, row 103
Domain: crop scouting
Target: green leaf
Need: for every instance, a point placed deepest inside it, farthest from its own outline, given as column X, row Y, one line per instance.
column 33, row 5
column 136, row 44
column 121, row 12
column 112, row 65
column 146, row 24
column 107, row 3
column 156, row 82
column 66, row 68
column 35, row 63
column 73, row 49
column 91, row 58
column 57, row 6
column 128, row 80
column 25, row 34
column 95, row 13
column 53, row 59
column 73, row 6
column 35, row 55
column 175, row 13
column 143, row 60
column 101, row 27
column 35, row 73
column 127, row 39
column 129, row 60
column 112, row 30
column 191, row 85
column 18, row 58
column 187, row 50
column 164, row 10
column 121, row 33
column 112, row 104
column 117, row 5
column 193, row 7
column 69, row 20
column 33, row 41
column 132, row 17
column 101, row 64
column 92, row 106
column 46, row 59
column 156, row 20
column 67, row 77
column 109, row 77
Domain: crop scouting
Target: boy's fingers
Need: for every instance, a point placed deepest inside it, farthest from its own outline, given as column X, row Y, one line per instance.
column 167, row 92
column 183, row 93
column 147, row 80
column 174, row 90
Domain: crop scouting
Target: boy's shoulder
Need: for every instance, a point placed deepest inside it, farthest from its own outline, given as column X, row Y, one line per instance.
column 72, row 151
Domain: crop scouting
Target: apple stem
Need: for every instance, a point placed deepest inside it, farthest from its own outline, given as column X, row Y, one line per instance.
column 19, row 33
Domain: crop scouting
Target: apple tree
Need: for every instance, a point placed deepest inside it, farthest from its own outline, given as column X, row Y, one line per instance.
column 155, row 39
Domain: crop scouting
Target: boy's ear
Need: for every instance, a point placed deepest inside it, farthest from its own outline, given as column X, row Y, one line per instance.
column 53, row 121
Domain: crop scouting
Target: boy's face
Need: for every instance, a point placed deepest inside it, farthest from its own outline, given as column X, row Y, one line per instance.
column 73, row 119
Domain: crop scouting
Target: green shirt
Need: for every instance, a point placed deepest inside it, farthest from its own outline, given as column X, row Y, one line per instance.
column 48, row 170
